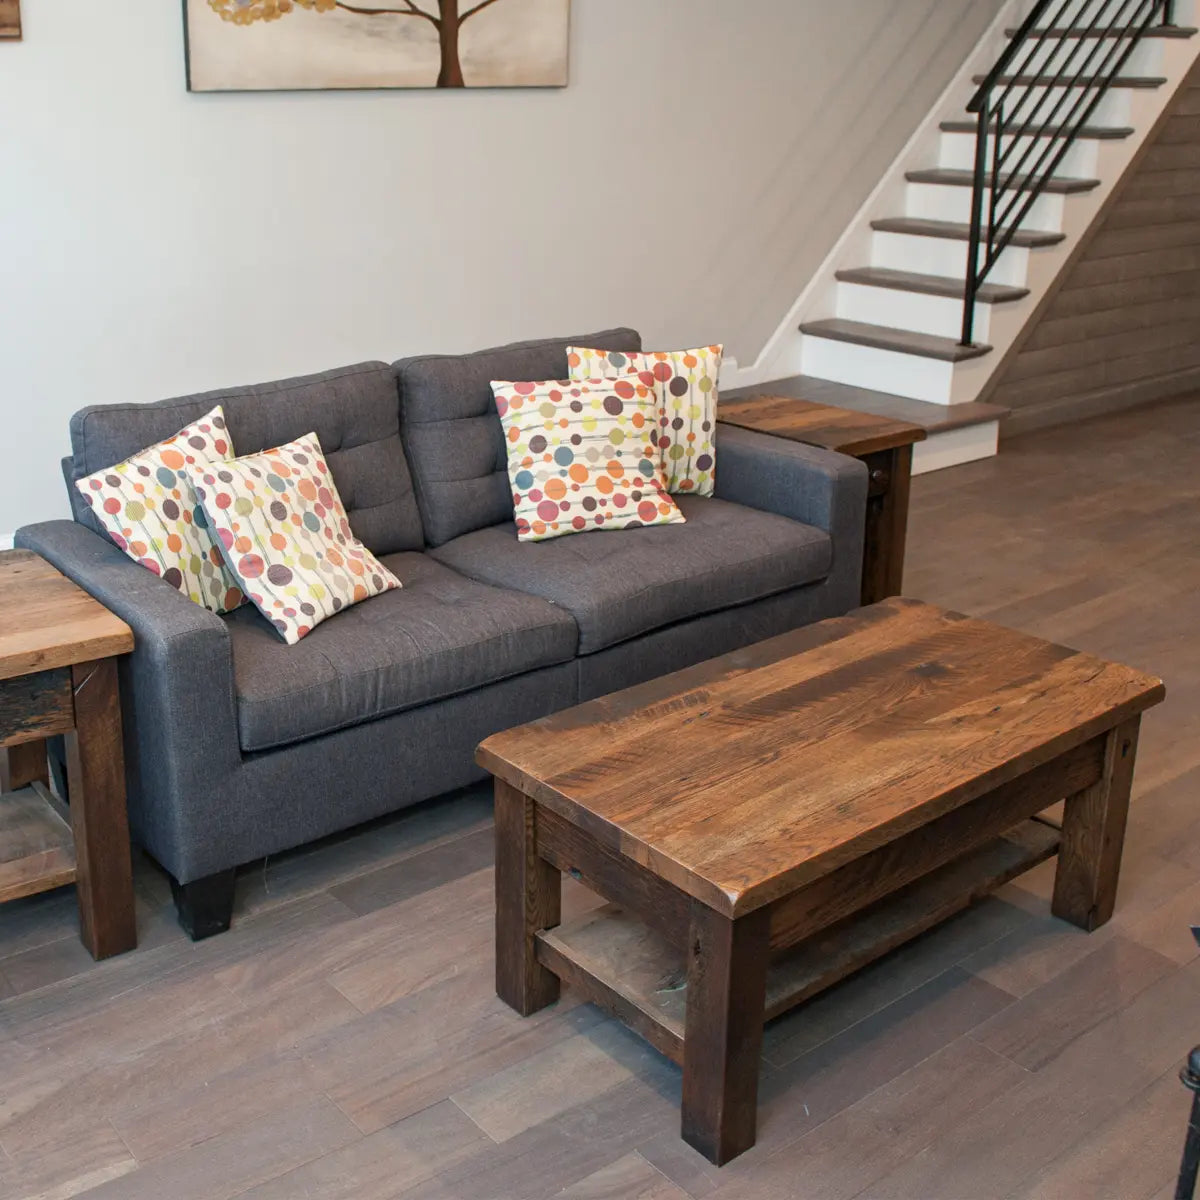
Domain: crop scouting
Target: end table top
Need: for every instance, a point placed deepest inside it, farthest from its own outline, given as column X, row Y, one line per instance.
column 743, row 778
column 46, row 621
column 840, row 429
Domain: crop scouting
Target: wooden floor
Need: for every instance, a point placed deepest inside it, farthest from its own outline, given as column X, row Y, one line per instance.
column 344, row 1041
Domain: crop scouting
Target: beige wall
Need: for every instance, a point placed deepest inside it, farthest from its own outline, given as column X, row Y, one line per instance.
column 1122, row 330
column 701, row 164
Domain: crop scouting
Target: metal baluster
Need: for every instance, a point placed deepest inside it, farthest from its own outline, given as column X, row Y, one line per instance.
column 1186, row 1187
column 973, row 243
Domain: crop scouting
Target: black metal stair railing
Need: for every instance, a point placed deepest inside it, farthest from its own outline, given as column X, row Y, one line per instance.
column 1030, row 110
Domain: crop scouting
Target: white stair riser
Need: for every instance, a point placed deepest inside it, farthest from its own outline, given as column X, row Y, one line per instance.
column 953, row 447
column 943, row 202
column 1083, row 12
column 939, row 315
column 1051, row 56
column 942, row 256
column 1069, row 105
column 1080, row 162
column 879, row 370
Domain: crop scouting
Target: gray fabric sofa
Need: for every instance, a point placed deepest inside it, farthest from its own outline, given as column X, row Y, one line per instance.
column 238, row 746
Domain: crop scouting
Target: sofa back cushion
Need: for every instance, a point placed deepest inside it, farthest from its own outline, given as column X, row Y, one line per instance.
column 453, row 434
column 354, row 411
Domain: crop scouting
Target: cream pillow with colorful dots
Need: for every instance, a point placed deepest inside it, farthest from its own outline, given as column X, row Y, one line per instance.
column 286, row 538
column 148, row 507
column 582, row 456
column 685, row 382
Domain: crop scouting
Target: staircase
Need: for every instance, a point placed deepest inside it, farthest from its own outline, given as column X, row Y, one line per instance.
column 1036, row 149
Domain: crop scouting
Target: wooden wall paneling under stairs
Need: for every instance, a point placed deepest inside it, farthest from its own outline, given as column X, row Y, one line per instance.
column 1123, row 328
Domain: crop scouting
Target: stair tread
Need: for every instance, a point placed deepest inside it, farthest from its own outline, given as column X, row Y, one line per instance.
column 1121, row 81
column 953, row 177
column 930, row 285
column 1155, row 31
column 1090, row 132
column 933, row 418
column 884, row 337
column 957, row 231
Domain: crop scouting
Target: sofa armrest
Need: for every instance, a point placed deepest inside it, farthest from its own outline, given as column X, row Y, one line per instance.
column 178, row 704
column 818, row 487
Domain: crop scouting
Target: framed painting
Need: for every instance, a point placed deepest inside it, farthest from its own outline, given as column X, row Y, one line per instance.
column 283, row 45
column 10, row 19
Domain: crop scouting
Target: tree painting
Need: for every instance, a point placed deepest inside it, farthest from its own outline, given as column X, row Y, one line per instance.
column 364, row 29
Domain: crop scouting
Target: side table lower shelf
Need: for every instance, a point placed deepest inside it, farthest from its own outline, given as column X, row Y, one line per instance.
column 37, row 851
column 625, row 967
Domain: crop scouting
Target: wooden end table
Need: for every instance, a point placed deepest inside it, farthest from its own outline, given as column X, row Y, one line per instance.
column 767, row 822
column 58, row 675
column 883, row 443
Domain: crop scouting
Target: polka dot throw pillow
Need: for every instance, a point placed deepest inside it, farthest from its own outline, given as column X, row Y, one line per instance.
column 286, row 537
column 147, row 506
column 685, row 382
column 581, row 456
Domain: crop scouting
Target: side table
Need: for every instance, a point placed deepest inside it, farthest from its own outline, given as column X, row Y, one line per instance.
column 58, row 675
column 883, row 443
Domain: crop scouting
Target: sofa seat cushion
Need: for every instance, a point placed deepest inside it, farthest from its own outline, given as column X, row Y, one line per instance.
column 438, row 635
column 619, row 584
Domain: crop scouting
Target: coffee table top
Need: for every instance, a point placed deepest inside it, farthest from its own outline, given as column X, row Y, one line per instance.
column 50, row 622
column 742, row 778
column 842, row 429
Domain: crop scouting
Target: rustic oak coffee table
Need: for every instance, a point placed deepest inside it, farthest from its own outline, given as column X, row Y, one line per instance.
column 769, row 821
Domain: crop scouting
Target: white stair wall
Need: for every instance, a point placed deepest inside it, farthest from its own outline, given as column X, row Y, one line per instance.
column 998, row 325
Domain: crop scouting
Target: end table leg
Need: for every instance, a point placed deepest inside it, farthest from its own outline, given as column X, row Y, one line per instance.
column 887, row 523
column 1093, row 835
column 24, row 764
column 528, row 899
column 96, row 775
column 726, row 995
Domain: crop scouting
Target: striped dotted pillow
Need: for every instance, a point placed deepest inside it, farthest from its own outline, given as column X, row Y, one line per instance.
column 148, row 507
column 286, row 538
column 581, row 456
column 685, row 382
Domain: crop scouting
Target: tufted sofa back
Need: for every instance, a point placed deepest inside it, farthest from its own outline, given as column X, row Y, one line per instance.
column 453, row 434
column 354, row 411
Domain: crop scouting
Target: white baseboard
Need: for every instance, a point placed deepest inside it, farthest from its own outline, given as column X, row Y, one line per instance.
column 956, row 446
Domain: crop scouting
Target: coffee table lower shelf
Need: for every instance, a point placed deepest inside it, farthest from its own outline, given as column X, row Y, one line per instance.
column 631, row 971
column 37, row 851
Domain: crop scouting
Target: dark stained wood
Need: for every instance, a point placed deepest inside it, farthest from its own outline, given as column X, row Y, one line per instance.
column 726, row 984
column 50, row 622
column 883, row 443
column 909, row 713
column 34, row 707
column 840, row 429
column 36, row 852
column 1093, row 834
column 611, row 875
column 885, row 337
column 23, row 764
column 876, row 875
column 958, row 231
column 615, row 959
column 528, row 900
column 1118, row 330
column 96, row 774
column 205, row 906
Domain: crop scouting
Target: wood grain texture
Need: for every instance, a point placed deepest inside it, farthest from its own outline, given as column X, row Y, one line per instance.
column 36, row 851
column 726, row 984
column 528, row 899
column 1093, row 835
column 890, row 482
column 887, row 719
column 49, row 621
column 1137, row 277
column 10, row 20
column 23, row 764
column 96, row 775
column 840, row 429
column 35, row 707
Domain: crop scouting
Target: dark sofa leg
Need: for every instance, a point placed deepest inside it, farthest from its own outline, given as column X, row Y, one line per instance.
column 205, row 906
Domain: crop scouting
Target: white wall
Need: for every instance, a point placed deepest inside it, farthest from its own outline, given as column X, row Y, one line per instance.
column 698, row 168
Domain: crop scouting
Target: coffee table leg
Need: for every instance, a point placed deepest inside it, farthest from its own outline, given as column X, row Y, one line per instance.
column 96, row 780
column 1093, row 834
column 528, row 899
column 22, row 765
column 726, row 995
